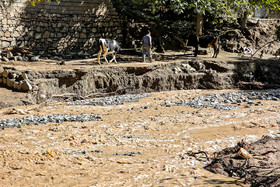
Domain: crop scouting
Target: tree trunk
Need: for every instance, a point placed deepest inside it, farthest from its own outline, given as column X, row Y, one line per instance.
column 199, row 24
column 244, row 19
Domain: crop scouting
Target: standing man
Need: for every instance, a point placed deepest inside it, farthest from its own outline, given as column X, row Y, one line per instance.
column 147, row 46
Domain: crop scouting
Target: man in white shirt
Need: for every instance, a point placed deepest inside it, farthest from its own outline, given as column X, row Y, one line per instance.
column 147, row 46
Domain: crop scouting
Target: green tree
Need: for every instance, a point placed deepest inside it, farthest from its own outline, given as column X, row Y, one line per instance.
column 246, row 7
column 34, row 2
column 217, row 8
column 214, row 7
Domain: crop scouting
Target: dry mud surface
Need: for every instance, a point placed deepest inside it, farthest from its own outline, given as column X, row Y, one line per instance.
column 143, row 143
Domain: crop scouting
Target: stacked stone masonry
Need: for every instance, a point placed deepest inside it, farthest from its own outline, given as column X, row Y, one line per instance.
column 60, row 28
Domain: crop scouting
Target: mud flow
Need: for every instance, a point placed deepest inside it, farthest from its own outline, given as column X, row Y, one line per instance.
column 142, row 139
column 179, row 121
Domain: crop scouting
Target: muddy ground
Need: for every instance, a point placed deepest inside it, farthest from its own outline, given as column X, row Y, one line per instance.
column 141, row 143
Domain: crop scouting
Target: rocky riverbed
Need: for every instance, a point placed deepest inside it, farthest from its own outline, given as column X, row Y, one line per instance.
column 134, row 139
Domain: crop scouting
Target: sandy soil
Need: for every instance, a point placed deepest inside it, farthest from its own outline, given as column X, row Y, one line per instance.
column 143, row 143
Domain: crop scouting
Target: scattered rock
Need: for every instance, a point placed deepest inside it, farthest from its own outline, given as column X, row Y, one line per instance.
column 219, row 101
column 5, row 73
column 5, row 59
column 113, row 100
column 53, row 118
column 34, row 58
column 25, row 86
column 15, row 111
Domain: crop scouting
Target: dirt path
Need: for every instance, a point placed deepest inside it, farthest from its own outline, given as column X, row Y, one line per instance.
column 142, row 143
column 123, row 61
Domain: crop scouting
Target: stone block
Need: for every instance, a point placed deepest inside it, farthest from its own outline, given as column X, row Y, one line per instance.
column 24, row 76
column 5, row 44
column 38, row 29
column 83, row 35
column 25, row 86
column 38, row 36
column 10, row 83
column 53, row 35
column 5, row 73
column 46, row 34
column 59, row 35
column 1, row 71
column 4, row 81
column 16, row 86
column 9, row 39
column 15, row 34
column 5, row 59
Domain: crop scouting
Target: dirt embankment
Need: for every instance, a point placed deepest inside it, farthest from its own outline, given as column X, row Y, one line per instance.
column 51, row 81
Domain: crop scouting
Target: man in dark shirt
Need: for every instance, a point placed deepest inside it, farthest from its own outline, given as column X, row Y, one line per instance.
column 147, row 46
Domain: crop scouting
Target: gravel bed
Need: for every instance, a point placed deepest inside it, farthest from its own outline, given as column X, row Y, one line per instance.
column 112, row 100
column 82, row 152
column 228, row 101
column 44, row 119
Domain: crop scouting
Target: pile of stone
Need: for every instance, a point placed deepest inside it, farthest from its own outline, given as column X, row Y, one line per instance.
column 12, row 54
column 17, row 82
column 44, row 119
column 17, row 54
column 112, row 100
column 228, row 101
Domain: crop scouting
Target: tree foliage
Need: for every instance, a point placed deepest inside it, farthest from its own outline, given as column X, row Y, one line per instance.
column 180, row 6
column 7, row 3
column 251, row 5
column 224, row 8
column 34, row 2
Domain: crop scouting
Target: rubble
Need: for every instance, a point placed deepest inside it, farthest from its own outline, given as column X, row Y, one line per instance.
column 240, row 161
column 18, row 54
column 113, row 100
column 52, row 118
column 228, row 101
column 15, row 81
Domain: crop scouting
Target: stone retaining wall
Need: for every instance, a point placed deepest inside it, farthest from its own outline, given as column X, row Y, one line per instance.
column 61, row 28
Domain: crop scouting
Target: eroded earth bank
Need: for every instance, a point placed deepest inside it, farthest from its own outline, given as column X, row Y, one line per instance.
column 146, row 134
column 49, row 80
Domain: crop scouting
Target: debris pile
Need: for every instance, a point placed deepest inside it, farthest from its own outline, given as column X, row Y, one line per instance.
column 44, row 119
column 228, row 101
column 258, row 163
column 17, row 54
column 11, row 54
column 113, row 100
column 15, row 81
